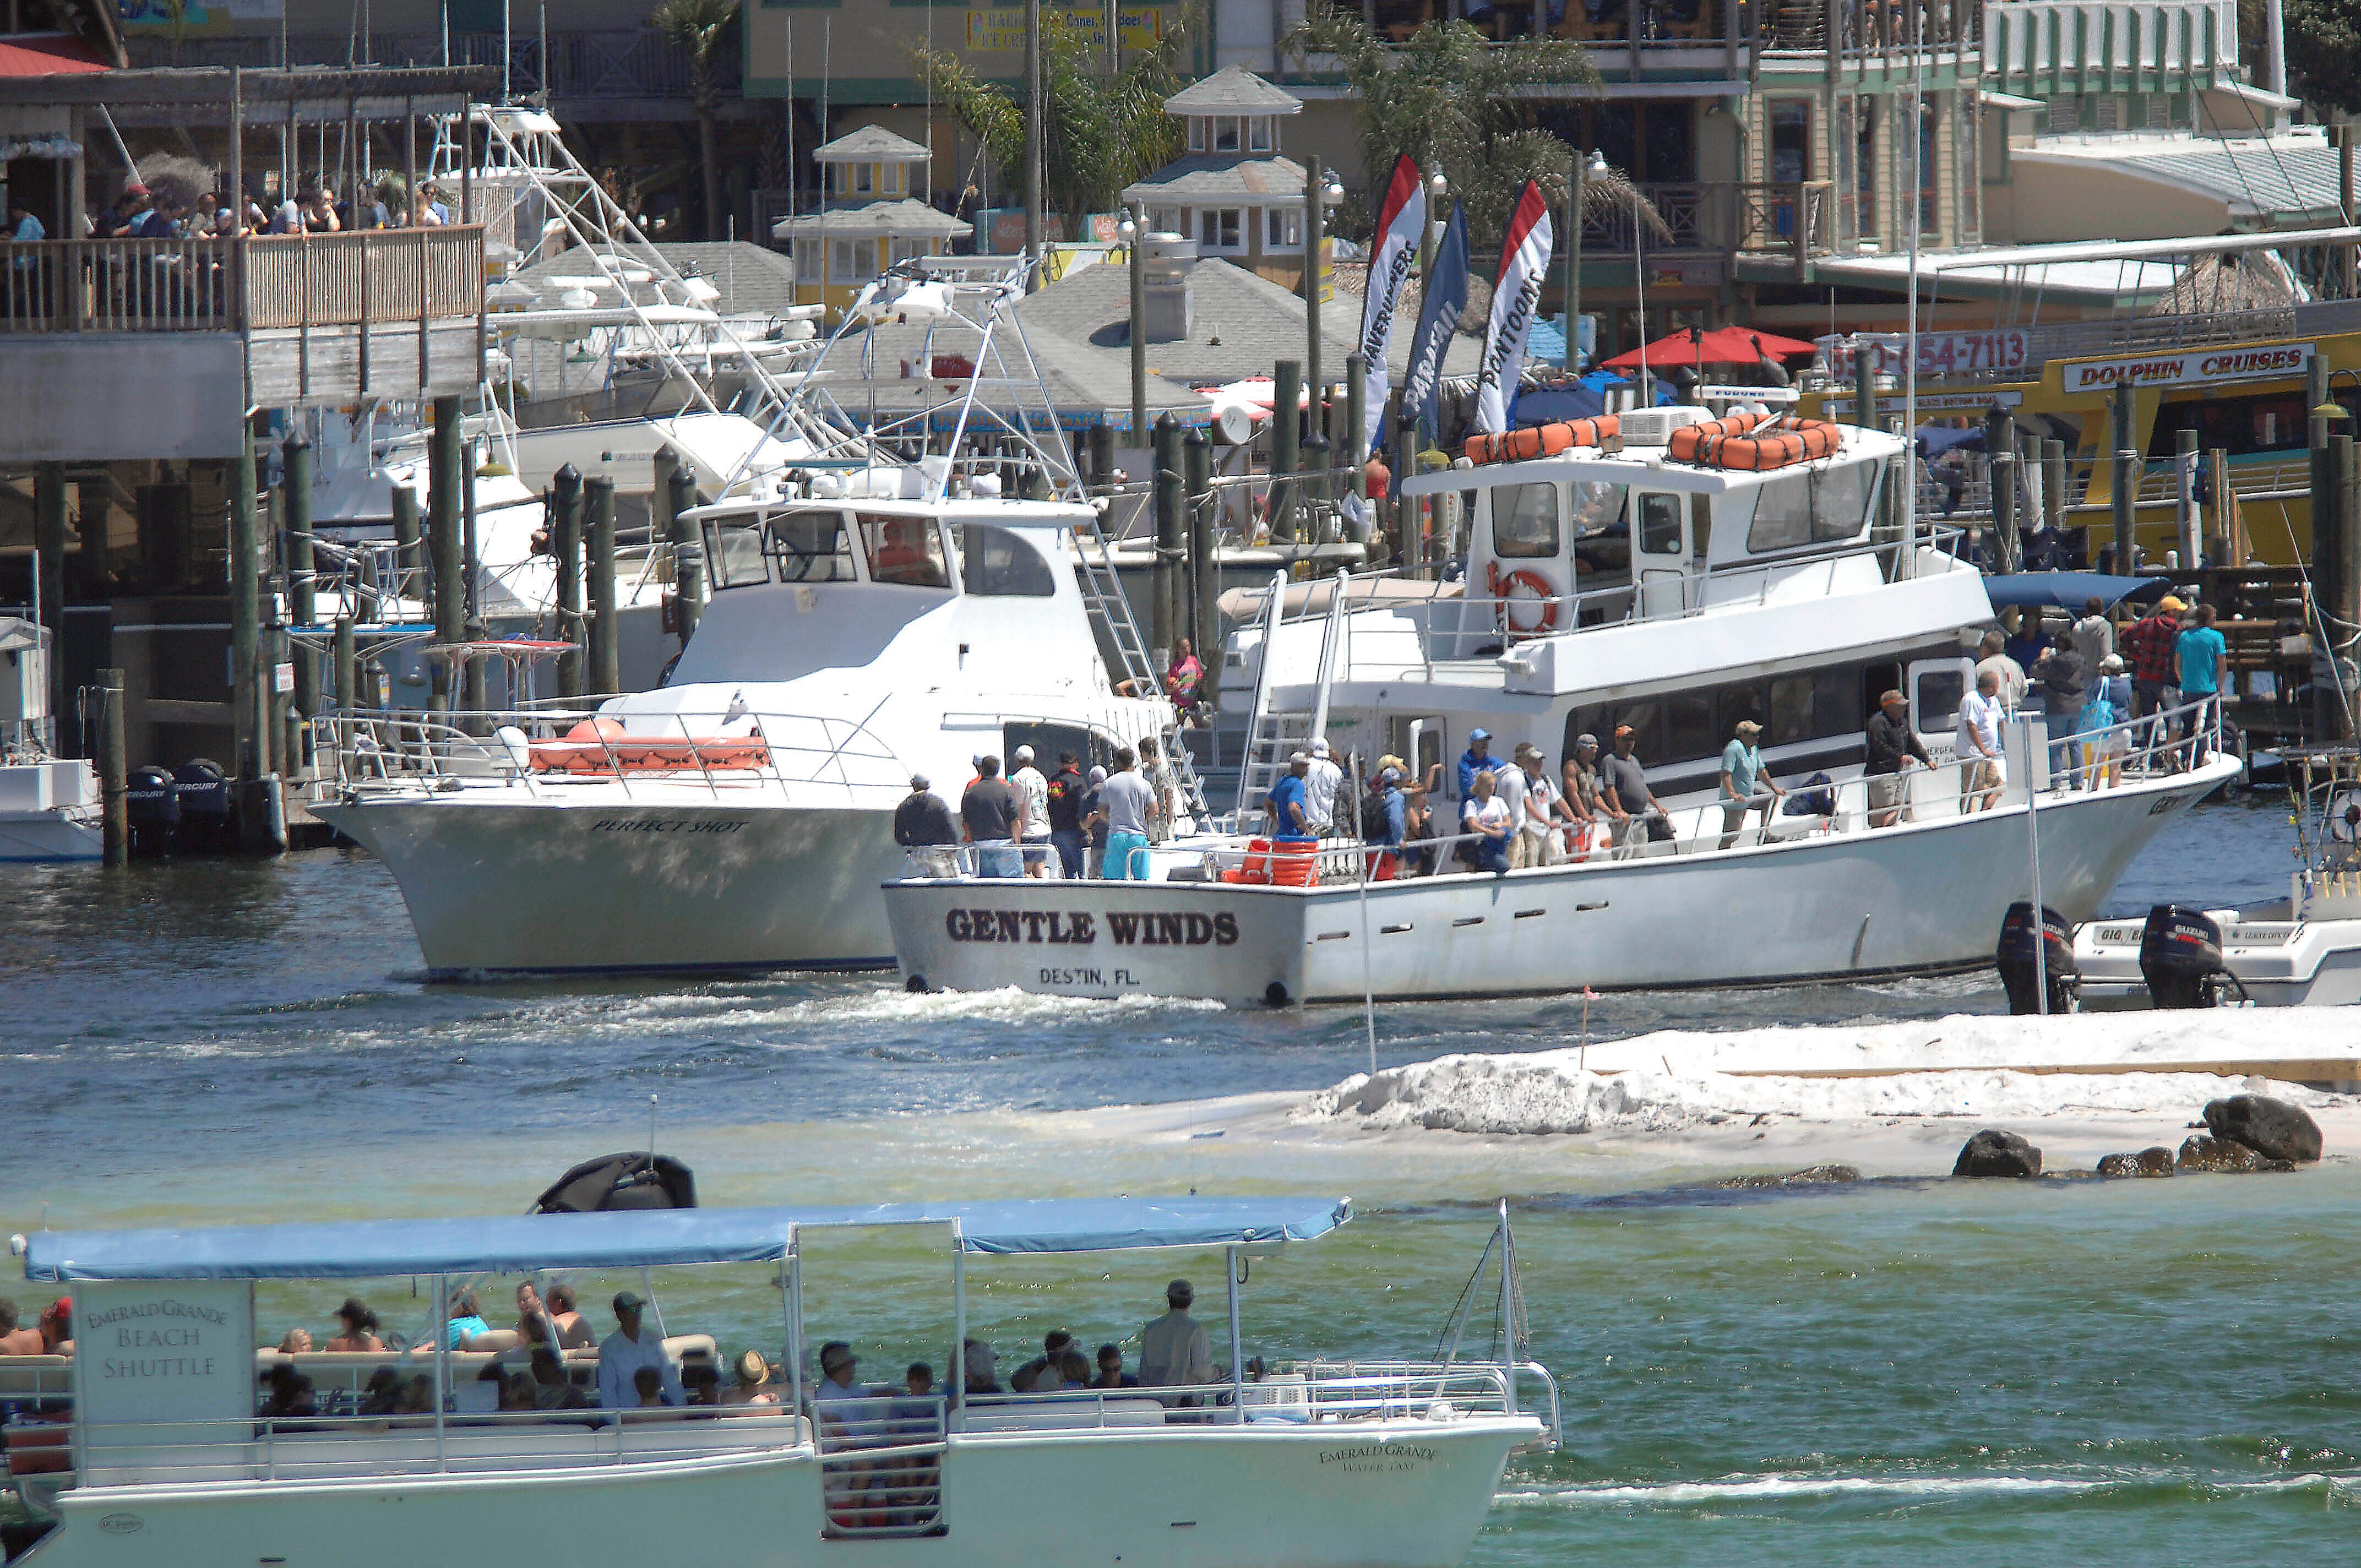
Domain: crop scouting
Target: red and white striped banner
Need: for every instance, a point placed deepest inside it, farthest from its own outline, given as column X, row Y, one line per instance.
column 1402, row 222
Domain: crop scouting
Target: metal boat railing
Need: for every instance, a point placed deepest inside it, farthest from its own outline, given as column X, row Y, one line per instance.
column 549, row 751
column 881, row 1464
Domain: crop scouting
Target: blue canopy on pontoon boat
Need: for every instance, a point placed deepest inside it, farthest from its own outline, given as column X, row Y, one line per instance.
column 625, row 1240
column 2070, row 590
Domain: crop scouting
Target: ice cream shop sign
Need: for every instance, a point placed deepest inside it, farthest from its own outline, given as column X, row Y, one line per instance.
column 151, row 1351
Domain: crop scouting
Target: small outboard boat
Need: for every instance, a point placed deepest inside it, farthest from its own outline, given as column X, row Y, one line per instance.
column 631, row 1181
column 2305, row 951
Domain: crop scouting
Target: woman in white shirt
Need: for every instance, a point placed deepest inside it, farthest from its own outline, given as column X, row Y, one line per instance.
column 1486, row 813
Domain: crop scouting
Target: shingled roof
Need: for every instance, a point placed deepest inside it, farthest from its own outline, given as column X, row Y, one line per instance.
column 1233, row 90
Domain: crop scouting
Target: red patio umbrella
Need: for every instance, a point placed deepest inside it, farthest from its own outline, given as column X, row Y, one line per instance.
column 1722, row 346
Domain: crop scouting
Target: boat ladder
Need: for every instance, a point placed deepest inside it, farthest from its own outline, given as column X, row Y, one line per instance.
column 1274, row 734
column 1111, row 618
column 880, row 1467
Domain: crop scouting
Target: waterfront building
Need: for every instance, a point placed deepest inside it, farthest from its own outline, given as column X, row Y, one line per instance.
column 868, row 221
column 1235, row 194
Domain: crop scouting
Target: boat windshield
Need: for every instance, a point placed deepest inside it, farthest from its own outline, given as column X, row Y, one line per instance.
column 1597, row 505
column 809, row 546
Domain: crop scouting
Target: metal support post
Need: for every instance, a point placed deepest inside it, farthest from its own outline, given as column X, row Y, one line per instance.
column 302, row 572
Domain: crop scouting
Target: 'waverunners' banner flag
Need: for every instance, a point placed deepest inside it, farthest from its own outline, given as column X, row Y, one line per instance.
column 1438, row 321
column 1402, row 222
column 1516, row 298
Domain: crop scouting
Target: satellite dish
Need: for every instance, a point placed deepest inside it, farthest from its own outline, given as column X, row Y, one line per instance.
column 2344, row 816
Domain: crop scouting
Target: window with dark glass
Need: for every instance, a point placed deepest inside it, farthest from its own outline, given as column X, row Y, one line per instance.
column 1689, row 729
column 1742, row 700
column 1837, row 704
column 1939, row 692
column 999, row 563
column 1840, row 500
column 904, row 549
column 1791, row 711
column 1524, row 522
column 1660, row 525
column 809, row 547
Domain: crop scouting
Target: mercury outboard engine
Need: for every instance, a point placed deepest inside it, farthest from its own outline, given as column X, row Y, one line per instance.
column 2020, row 974
column 203, row 790
column 153, row 801
column 2180, row 959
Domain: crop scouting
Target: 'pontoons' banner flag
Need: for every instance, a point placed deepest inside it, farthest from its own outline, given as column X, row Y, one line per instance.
column 1402, row 222
column 1438, row 321
column 1516, row 298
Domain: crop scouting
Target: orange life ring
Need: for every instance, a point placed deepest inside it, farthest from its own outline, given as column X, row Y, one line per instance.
column 1748, row 444
column 1534, row 583
column 1542, row 440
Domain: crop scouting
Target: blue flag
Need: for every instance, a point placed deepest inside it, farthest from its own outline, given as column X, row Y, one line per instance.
column 1438, row 321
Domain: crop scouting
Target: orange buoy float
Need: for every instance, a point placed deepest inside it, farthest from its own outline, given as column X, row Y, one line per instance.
column 1747, row 442
column 1542, row 440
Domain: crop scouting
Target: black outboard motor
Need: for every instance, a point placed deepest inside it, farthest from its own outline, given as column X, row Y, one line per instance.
column 2180, row 959
column 152, row 801
column 203, row 790
column 2017, row 961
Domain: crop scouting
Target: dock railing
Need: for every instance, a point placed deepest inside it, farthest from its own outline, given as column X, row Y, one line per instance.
column 250, row 283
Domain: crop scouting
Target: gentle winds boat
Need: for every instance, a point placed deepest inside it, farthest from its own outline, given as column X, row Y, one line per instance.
column 1312, row 1463
column 1622, row 586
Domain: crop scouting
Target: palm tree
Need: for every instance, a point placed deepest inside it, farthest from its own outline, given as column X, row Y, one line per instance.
column 699, row 28
column 1449, row 96
column 1101, row 130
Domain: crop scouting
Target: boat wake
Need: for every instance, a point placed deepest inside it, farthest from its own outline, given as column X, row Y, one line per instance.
column 1007, row 1006
column 1776, row 1488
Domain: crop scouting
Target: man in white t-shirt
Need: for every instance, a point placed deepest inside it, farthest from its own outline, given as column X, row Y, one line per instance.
column 1540, row 811
column 1509, row 785
column 1321, row 786
column 1983, row 769
column 1033, row 788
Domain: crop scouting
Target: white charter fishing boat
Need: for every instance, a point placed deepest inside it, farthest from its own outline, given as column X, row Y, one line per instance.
column 152, row 1447
column 49, row 804
column 1608, row 586
column 871, row 618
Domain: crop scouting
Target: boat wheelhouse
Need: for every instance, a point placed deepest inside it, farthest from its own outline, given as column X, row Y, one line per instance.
column 1311, row 1462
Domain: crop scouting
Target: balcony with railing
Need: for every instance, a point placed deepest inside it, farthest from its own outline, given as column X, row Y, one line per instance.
column 1654, row 34
column 2042, row 48
column 617, row 65
column 1795, row 218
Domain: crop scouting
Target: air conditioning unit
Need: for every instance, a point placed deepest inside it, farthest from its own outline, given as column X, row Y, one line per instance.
column 1653, row 427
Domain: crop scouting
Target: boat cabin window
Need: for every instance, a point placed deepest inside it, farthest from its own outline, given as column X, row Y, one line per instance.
column 1939, row 694
column 1000, row 562
column 1595, row 506
column 733, row 555
column 904, row 549
column 1524, row 522
column 810, row 546
column 1660, row 524
column 1694, row 726
column 1816, row 507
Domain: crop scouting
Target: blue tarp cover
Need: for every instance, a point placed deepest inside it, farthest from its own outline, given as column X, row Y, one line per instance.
column 517, row 1242
column 2069, row 590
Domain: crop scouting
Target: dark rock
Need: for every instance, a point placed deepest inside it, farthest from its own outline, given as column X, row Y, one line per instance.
column 2272, row 1128
column 2147, row 1162
column 1818, row 1176
column 1995, row 1152
column 2203, row 1153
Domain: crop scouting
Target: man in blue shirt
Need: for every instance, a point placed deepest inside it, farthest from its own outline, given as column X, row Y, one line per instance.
column 1477, row 758
column 2202, row 652
column 1288, row 819
column 1386, row 864
column 1743, row 779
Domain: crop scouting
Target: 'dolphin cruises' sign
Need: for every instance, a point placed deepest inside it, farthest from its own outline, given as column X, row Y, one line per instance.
column 168, row 1351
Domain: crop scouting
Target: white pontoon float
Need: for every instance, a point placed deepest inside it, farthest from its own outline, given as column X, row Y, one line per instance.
column 1310, row 1465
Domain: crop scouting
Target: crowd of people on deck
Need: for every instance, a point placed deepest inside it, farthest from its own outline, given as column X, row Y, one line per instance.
column 1062, row 824
column 635, row 1374
column 315, row 206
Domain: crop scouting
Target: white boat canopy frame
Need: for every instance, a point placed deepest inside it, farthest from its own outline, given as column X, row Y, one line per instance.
column 525, row 1242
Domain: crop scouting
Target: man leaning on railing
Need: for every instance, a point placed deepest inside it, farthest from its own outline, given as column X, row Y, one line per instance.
column 923, row 826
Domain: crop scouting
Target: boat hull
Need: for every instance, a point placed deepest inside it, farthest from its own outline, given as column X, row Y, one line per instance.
column 1332, row 1495
column 42, row 836
column 648, row 883
column 1913, row 898
column 2281, row 963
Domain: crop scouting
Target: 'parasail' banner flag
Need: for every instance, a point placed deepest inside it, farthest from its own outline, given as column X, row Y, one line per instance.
column 1438, row 322
column 1402, row 222
column 1516, row 300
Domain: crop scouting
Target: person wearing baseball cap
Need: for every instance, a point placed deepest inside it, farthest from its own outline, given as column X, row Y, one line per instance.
column 632, row 1346
column 923, row 826
column 1477, row 758
column 1745, row 785
column 2151, row 646
column 1288, row 813
column 1173, row 1350
column 1893, row 747
column 1623, row 789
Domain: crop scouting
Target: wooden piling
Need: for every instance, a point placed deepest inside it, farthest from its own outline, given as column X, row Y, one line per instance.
column 409, row 565
column 687, row 554
column 2184, row 497
column 1286, row 454
column 1864, row 387
column 1204, row 566
column 2125, row 445
column 347, row 666
column 566, row 546
column 2000, row 466
column 114, row 769
column 49, row 561
column 446, row 476
column 599, row 516
column 1164, row 598
column 302, row 572
column 1357, row 445
column 251, row 736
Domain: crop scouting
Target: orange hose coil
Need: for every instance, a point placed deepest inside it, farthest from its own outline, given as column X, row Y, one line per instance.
column 1542, row 440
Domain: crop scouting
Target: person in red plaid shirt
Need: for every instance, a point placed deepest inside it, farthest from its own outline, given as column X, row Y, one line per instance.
column 2148, row 643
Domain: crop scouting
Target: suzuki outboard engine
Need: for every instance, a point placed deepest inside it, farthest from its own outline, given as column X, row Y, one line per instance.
column 2022, row 976
column 2180, row 959
column 152, row 803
